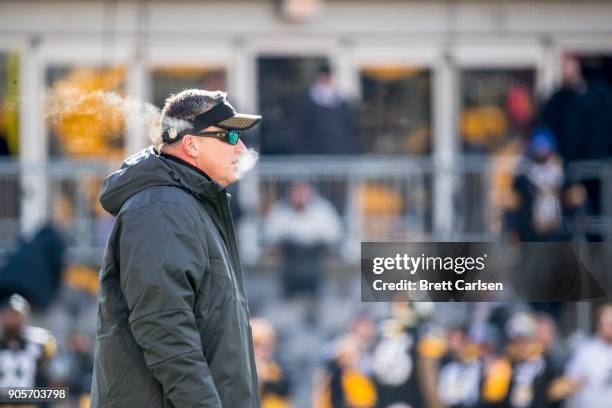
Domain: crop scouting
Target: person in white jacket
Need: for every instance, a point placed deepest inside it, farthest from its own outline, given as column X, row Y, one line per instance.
column 590, row 368
column 304, row 228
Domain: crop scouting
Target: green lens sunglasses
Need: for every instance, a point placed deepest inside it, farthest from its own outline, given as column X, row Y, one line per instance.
column 231, row 136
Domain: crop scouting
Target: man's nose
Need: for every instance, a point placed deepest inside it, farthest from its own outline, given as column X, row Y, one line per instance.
column 240, row 147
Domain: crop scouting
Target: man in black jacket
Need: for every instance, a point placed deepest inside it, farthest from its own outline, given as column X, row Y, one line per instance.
column 173, row 328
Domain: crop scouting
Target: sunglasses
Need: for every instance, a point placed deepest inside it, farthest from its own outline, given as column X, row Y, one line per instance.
column 231, row 136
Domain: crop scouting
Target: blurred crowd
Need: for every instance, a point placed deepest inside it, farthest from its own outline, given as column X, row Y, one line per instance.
column 405, row 355
column 513, row 358
column 545, row 203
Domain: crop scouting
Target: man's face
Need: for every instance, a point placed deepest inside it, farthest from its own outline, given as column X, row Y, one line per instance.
column 12, row 321
column 217, row 158
column 571, row 71
column 604, row 326
column 299, row 195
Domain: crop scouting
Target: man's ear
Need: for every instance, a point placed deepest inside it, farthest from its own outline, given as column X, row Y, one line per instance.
column 190, row 146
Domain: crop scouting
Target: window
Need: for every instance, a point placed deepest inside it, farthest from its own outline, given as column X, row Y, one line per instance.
column 497, row 112
column 395, row 116
column 169, row 80
column 282, row 82
column 496, row 108
column 84, row 111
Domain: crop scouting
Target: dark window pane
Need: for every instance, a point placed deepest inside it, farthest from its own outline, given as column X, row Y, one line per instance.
column 496, row 108
column 174, row 79
column 396, row 110
column 282, row 81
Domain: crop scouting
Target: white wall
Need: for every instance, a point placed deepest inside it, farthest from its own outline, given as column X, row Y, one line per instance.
column 249, row 18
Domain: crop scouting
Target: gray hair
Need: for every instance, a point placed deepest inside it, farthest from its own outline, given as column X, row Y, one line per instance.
column 181, row 108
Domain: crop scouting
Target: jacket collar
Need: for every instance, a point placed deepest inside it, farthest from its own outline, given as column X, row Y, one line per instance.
column 191, row 178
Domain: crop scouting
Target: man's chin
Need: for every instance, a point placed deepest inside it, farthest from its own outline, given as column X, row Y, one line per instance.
column 232, row 177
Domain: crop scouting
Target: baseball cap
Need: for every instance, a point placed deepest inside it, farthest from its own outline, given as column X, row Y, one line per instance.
column 542, row 142
column 17, row 303
column 222, row 115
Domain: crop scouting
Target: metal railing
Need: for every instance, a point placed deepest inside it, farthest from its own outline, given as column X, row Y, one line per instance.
column 376, row 198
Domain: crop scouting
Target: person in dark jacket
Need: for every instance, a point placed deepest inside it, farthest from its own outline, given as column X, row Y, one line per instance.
column 325, row 121
column 579, row 114
column 43, row 258
column 173, row 321
column 538, row 185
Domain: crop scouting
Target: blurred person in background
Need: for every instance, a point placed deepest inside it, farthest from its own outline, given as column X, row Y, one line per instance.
column 325, row 122
column 547, row 334
column 588, row 376
column 472, row 373
column 495, row 367
column 532, row 371
column 345, row 382
column 363, row 329
column 538, row 187
column 546, row 208
column 73, row 368
column 347, row 363
column 520, row 110
column 579, row 114
column 274, row 385
column 304, row 228
column 25, row 351
column 521, row 113
column 173, row 325
column 406, row 358
column 542, row 200
column 42, row 256
column 459, row 376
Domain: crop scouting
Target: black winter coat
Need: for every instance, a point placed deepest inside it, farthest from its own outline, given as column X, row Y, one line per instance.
column 173, row 327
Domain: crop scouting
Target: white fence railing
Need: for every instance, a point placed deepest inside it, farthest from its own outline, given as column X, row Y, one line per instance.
column 377, row 198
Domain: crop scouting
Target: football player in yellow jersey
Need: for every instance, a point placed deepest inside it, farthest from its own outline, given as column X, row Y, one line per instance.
column 274, row 385
column 24, row 351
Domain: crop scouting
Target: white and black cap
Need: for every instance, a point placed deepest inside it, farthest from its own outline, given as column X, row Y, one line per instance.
column 222, row 115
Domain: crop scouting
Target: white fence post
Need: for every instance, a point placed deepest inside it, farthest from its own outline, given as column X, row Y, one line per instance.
column 444, row 147
column 32, row 139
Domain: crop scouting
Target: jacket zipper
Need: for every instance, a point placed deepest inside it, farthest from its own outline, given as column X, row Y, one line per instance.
column 225, row 229
column 232, row 246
